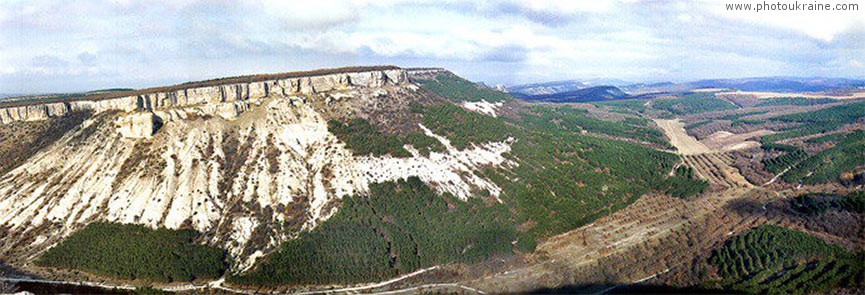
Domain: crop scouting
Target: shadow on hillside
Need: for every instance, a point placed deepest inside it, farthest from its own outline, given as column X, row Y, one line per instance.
column 627, row 289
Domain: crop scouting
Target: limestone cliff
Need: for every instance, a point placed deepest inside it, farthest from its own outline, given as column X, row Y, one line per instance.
column 158, row 99
column 249, row 165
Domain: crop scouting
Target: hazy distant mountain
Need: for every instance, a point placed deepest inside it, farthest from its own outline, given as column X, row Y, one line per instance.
column 563, row 86
column 643, row 88
column 779, row 84
column 771, row 84
column 597, row 93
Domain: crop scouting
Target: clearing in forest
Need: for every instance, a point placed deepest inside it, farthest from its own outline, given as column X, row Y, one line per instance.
column 679, row 138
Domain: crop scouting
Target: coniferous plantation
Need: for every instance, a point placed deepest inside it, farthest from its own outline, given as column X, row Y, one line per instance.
column 400, row 227
column 693, row 103
column 135, row 252
column 819, row 203
column 773, row 259
column 829, row 165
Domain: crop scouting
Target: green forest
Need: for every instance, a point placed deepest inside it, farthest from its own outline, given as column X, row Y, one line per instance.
column 828, row 165
column 568, row 117
column 685, row 184
column 693, row 103
column 568, row 179
column 135, row 252
column 791, row 156
column 819, row 121
column 794, row 101
column 819, row 203
column 398, row 228
column 833, row 138
column 363, row 139
column 778, row 260
column 457, row 89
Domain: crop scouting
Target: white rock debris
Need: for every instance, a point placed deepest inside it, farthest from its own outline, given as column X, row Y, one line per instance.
column 483, row 107
column 453, row 171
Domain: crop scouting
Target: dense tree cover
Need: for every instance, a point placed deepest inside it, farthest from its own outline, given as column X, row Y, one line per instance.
column 462, row 127
column 576, row 119
column 458, row 89
column 685, row 172
column 693, row 103
column 135, row 252
column 566, row 179
column 819, row 121
column 363, row 139
column 830, row 164
column 793, row 101
column 791, row 156
column 779, row 163
column 818, row 203
column 685, row 183
column 773, row 259
column 689, row 103
column 400, row 227
column 682, row 187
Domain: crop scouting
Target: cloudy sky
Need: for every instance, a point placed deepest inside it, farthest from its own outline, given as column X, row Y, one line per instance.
column 53, row 46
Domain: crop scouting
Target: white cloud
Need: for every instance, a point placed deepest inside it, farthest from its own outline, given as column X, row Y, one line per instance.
column 821, row 25
column 130, row 43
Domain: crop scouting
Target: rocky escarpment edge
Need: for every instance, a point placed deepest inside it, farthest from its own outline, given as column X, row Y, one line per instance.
column 210, row 91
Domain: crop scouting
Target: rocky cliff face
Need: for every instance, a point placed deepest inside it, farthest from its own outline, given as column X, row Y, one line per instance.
column 248, row 165
column 207, row 95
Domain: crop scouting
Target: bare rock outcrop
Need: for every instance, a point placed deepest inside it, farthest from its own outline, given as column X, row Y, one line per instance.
column 192, row 96
column 138, row 125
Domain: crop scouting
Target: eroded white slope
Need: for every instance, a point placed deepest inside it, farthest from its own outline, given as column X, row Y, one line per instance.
column 483, row 106
column 248, row 184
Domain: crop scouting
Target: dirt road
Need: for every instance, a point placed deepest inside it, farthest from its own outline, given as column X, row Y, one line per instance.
column 679, row 138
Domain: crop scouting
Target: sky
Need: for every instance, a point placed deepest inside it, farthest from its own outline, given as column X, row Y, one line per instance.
column 64, row 46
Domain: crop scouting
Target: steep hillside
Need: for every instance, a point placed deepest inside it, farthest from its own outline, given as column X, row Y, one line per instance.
column 303, row 178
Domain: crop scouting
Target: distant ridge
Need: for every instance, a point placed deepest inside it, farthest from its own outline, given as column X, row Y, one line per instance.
column 207, row 83
column 597, row 93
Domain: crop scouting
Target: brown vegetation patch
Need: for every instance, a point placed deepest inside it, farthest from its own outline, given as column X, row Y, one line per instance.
column 22, row 140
